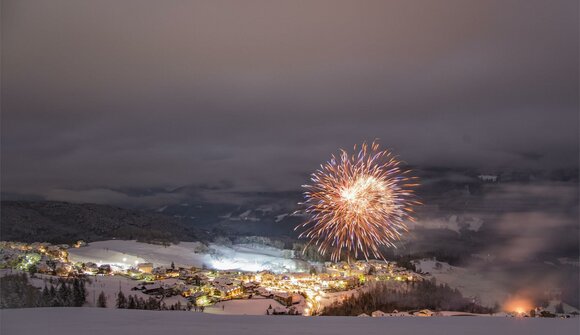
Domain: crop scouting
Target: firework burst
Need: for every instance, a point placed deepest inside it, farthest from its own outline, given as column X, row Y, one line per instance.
column 358, row 202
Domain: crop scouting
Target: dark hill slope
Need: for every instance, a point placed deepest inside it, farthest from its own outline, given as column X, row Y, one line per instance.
column 61, row 222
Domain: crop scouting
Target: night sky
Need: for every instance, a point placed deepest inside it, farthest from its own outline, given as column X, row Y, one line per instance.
column 253, row 95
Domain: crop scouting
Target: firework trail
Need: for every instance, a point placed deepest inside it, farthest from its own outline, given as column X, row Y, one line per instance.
column 358, row 202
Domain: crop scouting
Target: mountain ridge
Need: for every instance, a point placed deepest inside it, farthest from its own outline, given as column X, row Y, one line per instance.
column 63, row 222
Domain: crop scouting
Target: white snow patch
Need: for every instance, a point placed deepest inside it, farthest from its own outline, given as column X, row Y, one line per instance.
column 244, row 257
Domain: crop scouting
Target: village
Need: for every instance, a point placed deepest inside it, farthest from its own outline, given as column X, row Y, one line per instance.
column 202, row 289
column 297, row 293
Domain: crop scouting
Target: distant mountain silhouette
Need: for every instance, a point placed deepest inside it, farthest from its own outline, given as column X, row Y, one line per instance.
column 61, row 222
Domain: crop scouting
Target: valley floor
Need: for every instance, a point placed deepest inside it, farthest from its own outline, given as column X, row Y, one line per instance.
column 65, row 321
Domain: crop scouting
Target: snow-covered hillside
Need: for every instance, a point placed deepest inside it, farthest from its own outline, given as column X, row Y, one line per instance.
column 470, row 283
column 73, row 321
column 246, row 257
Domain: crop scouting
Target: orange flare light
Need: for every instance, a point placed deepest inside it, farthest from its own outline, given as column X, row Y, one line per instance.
column 518, row 305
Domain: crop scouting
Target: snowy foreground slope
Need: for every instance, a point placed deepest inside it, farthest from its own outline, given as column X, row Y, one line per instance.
column 65, row 321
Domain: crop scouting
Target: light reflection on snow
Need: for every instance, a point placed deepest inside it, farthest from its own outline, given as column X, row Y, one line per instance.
column 241, row 257
column 225, row 264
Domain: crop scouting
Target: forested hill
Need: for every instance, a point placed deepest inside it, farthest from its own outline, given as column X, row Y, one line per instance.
column 61, row 222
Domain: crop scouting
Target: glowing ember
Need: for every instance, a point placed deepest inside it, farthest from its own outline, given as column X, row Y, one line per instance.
column 358, row 202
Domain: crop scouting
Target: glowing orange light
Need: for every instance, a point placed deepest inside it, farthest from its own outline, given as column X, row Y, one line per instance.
column 518, row 305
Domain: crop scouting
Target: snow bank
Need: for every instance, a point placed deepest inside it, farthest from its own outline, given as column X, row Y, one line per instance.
column 73, row 321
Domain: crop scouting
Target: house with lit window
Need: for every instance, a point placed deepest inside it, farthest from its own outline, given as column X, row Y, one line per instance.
column 145, row 267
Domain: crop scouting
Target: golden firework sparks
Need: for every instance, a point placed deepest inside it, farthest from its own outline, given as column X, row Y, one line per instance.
column 358, row 202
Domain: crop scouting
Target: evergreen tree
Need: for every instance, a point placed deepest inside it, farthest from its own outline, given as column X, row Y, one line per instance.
column 78, row 294
column 102, row 300
column 83, row 291
column 64, row 295
column 17, row 292
column 172, row 266
column 121, row 300
column 152, row 304
column 141, row 304
column 46, row 300
column 53, row 297
column 132, row 304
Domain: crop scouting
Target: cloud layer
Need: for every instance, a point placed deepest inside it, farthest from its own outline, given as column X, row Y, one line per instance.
column 161, row 94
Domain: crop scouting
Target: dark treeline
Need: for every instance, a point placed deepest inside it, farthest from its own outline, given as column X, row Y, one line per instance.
column 412, row 296
column 17, row 292
column 309, row 252
column 135, row 302
column 454, row 256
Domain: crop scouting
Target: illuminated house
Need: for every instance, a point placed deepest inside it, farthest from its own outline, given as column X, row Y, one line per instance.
column 171, row 273
column 378, row 314
column 159, row 271
column 145, row 267
column 134, row 273
column 423, row 312
column 105, row 269
column 227, row 291
column 287, row 298
column 199, row 299
column 196, row 279
column 62, row 269
column 91, row 268
column 250, row 286
column 44, row 268
column 265, row 277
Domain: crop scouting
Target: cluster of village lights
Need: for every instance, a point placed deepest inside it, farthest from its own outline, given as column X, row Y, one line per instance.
column 313, row 302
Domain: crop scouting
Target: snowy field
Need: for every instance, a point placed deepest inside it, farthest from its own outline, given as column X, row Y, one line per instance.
column 246, row 257
column 73, row 321
column 254, row 306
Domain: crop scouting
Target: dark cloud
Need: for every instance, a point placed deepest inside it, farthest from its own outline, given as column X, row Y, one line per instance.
column 110, row 94
column 532, row 235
